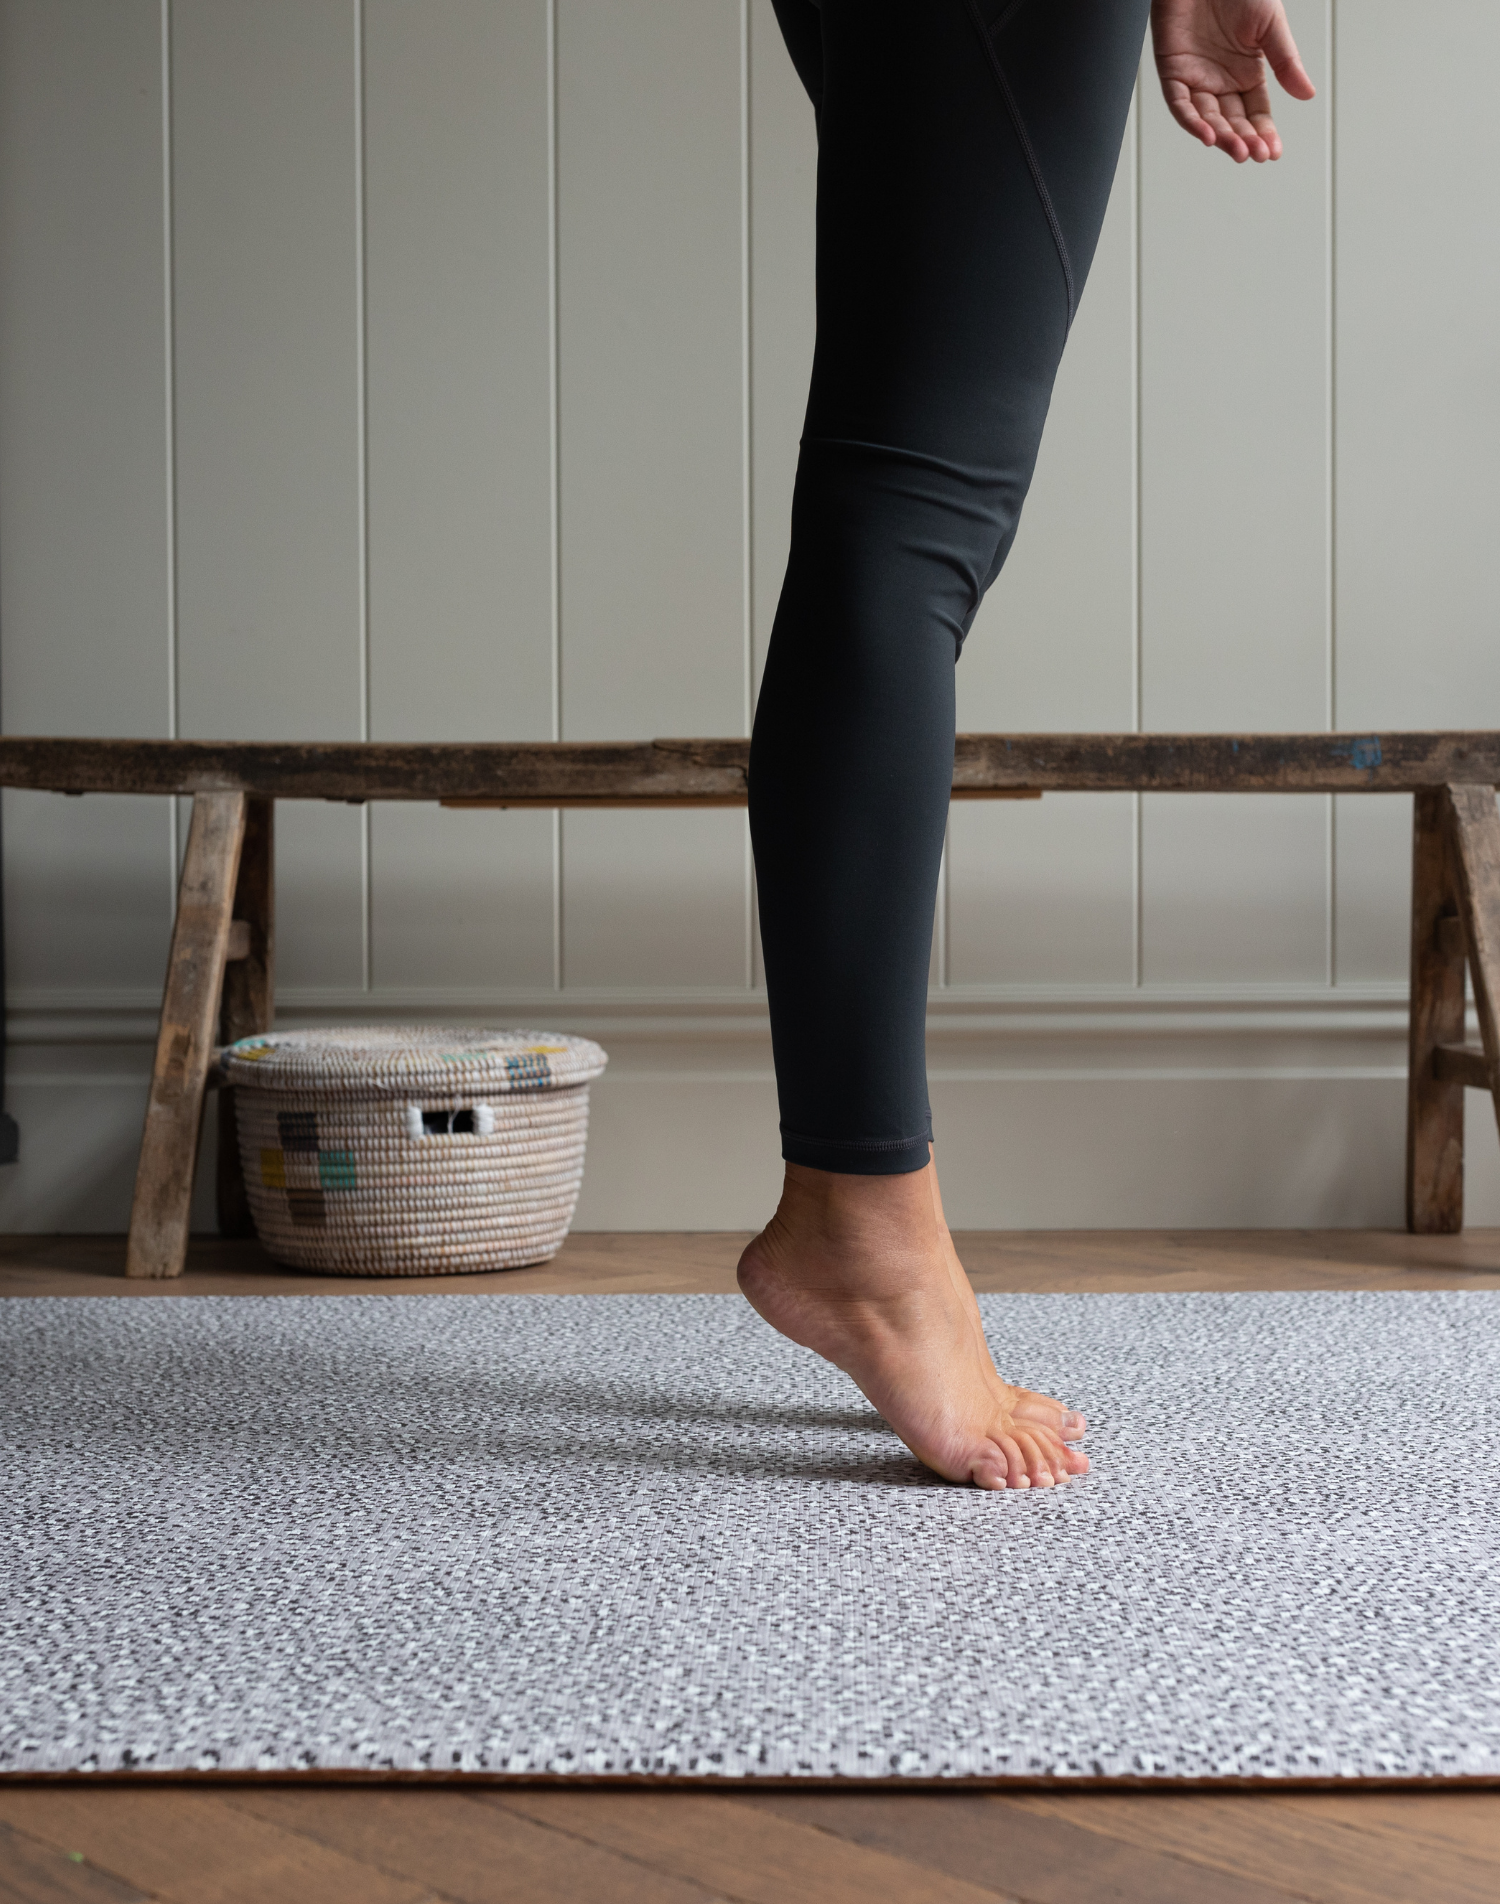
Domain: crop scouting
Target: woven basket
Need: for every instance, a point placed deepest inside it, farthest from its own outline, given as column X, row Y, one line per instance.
column 412, row 1150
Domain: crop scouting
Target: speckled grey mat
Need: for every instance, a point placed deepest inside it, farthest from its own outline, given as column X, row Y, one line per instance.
column 641, row 1534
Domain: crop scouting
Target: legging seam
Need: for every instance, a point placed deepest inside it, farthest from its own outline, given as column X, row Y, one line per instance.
column 1033, row 164
column 1003, row 21
column 857, row 1143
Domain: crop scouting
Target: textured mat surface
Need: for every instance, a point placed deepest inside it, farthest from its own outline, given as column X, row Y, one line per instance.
column 643, row 1534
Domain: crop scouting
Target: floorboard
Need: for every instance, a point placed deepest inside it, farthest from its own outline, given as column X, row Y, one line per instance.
column 469, row 1851
column 34, row 1872
column 197, row 1847
column 750, row 1852
column 989, row 1840
column 326, row 1845
column 1347, row 1855
column 1439, row 1822
column 702, row 1262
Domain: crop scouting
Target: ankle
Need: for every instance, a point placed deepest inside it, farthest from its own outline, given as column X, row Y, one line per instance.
column 841, row 1209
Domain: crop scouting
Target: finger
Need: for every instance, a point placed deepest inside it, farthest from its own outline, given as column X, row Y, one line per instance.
column 1255, row 145
column 1285, row 62
column 1256, row 106
column 1225, row 135
column 1237, row 115
column 1180, row 105
column 1265, row 125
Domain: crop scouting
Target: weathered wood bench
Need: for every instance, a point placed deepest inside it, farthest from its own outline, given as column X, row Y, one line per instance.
column 220, row 982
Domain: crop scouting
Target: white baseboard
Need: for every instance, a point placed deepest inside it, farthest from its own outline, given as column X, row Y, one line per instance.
column 1280, row 1107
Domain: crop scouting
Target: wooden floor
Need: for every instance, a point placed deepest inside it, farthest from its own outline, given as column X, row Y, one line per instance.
column 262, row 1844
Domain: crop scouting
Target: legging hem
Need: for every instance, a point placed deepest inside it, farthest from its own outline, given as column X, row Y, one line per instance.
column 892, row 1157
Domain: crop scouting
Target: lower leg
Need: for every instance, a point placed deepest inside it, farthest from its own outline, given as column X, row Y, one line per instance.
column 948, row 270
column 862, row 1270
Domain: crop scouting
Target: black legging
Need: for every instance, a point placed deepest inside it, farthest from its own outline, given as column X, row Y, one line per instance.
column 965, row 154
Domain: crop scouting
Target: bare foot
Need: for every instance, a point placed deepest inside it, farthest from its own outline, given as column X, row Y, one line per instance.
column 1025, row 1403
column 859, row 1270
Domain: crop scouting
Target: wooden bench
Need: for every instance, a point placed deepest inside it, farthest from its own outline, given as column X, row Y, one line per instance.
column 220, row 982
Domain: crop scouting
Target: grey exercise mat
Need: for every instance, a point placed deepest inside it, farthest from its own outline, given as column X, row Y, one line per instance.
column 641, row 1534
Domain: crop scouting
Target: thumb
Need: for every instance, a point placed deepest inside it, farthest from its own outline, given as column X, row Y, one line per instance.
column 1280, row 51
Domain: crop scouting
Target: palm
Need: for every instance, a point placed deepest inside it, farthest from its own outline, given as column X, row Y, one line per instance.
column 1211, row 56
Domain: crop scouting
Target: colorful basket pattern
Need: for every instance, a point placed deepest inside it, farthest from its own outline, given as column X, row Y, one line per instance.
column 412, row 1150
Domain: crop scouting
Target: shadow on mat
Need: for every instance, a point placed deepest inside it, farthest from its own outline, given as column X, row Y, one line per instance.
column 374, row 1415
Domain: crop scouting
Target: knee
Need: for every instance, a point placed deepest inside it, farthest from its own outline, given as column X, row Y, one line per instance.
column 882, row 534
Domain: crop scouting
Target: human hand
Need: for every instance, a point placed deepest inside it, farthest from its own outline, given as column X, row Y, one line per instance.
column 1211, row 57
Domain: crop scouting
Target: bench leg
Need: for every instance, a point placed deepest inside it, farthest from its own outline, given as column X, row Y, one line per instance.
column 185, row 1043
column 249, row 1003
column 1434, row 1106
column 1476, row 861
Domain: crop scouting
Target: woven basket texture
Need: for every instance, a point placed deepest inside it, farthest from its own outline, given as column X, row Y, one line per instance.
column 412, row 1150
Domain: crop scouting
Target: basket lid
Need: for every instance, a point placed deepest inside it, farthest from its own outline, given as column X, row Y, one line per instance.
column 392, row 1060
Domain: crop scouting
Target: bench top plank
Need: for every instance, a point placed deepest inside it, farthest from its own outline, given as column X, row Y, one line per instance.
column 713, row 772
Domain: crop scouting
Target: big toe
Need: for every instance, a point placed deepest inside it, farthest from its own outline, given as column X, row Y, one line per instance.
column 1047, row 1412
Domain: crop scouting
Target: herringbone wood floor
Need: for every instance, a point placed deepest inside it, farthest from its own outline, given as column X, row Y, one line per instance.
column 252, row 1844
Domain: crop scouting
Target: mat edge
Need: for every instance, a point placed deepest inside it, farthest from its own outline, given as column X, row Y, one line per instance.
column 654, row 1781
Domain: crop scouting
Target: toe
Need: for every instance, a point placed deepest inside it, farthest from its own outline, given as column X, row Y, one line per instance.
column 990, row 1470
column 1045, row 1411
column 1066, row 1461
column 1026, row 1458
column 1038, row 1461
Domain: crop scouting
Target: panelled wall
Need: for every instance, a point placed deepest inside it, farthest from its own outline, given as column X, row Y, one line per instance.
column 433, row 369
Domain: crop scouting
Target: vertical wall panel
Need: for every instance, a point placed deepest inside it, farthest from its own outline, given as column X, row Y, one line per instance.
column 783, row 195
column 1235, row 467
column 1235, row 411
column 1044, row 893
column 1234, row 889
column 1372, row 875
column 1418, row 373
column 1053, row 644
column 459, row 351
column 651, row 354
column 265, row 179
column 783, row 320
column 85, row 577
column 783, row 191
column 1418, row 380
